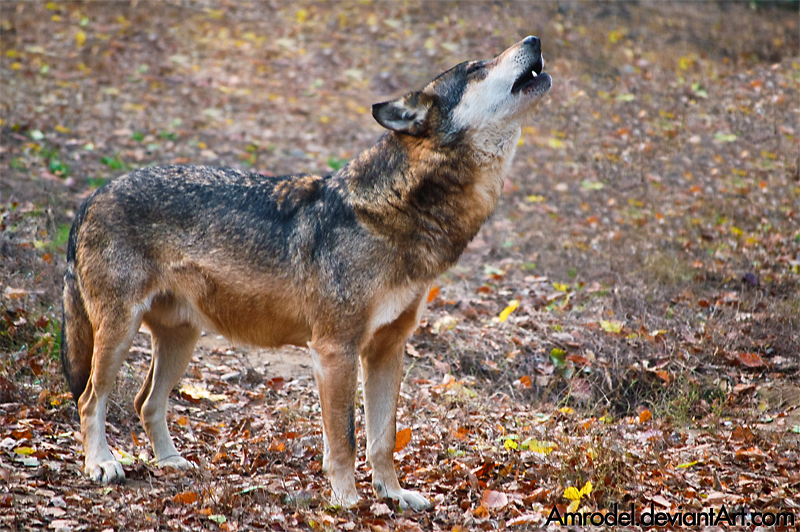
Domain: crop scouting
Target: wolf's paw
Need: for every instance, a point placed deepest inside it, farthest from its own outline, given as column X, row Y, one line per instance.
column 105, row 471
column 177, row 461
column 409, row 499
column 346, row 498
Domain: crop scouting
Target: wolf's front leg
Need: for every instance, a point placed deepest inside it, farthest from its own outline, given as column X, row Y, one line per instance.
column 382, row 371
column 111, row 343
column 336, row 373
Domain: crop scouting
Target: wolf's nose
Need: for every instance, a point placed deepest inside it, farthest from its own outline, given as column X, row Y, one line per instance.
column 532, row 41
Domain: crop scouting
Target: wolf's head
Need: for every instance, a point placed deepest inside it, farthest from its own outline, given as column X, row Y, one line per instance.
column 476, row 99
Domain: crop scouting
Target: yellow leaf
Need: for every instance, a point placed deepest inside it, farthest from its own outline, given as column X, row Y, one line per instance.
column 685, row 62
column 302, row 15
column 572, row 494
column 27, row 451
column 196, row 392
column 512, row 306
column 80, row 38
column 566, row 410
column 541, row 447
column 510, row 444
column 445, row 323
column 688, row 464
column 611, row 326
column 372, row 20
column 123, row 457
column 736, row 231
column 561, row 287
column 555, row 143
column 535, row 198
column 586, row 489
column 324, row 119
column 16, row 66
column 56, row 18
column 615, row 36
column 62, row 129
column 430, row 44
column 217, row 518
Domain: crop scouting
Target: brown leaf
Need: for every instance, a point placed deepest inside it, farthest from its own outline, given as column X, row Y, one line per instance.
column 402, row 439
column 22, row 434
column 276, row 445
column 186, row 497
column 525, row 519
column 481, row 512
column 742, row 434
column 433, row 294
column 494, row 500
column 751, row 453
column 406, row 525
column 275, row 383
column 750, row 360
column 743, row 388
column 461, row 433
column 380, row 509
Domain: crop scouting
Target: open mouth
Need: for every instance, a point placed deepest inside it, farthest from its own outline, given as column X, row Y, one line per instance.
column 532, row 77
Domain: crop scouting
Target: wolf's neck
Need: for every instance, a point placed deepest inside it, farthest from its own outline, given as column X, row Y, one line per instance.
column 428, row 202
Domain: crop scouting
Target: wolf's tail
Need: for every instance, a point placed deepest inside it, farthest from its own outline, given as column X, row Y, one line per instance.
column 77, row 336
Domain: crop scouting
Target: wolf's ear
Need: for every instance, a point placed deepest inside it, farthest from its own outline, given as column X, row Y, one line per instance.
column 405, row 115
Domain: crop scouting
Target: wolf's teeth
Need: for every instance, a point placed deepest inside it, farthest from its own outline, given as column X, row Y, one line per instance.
column 534, row 73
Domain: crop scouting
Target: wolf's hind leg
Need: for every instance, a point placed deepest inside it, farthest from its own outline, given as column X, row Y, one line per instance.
column 112, row 340
column 172, row 351
column 382, row 371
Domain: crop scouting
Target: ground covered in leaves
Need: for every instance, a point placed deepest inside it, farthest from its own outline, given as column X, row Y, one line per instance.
column 624, row 331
